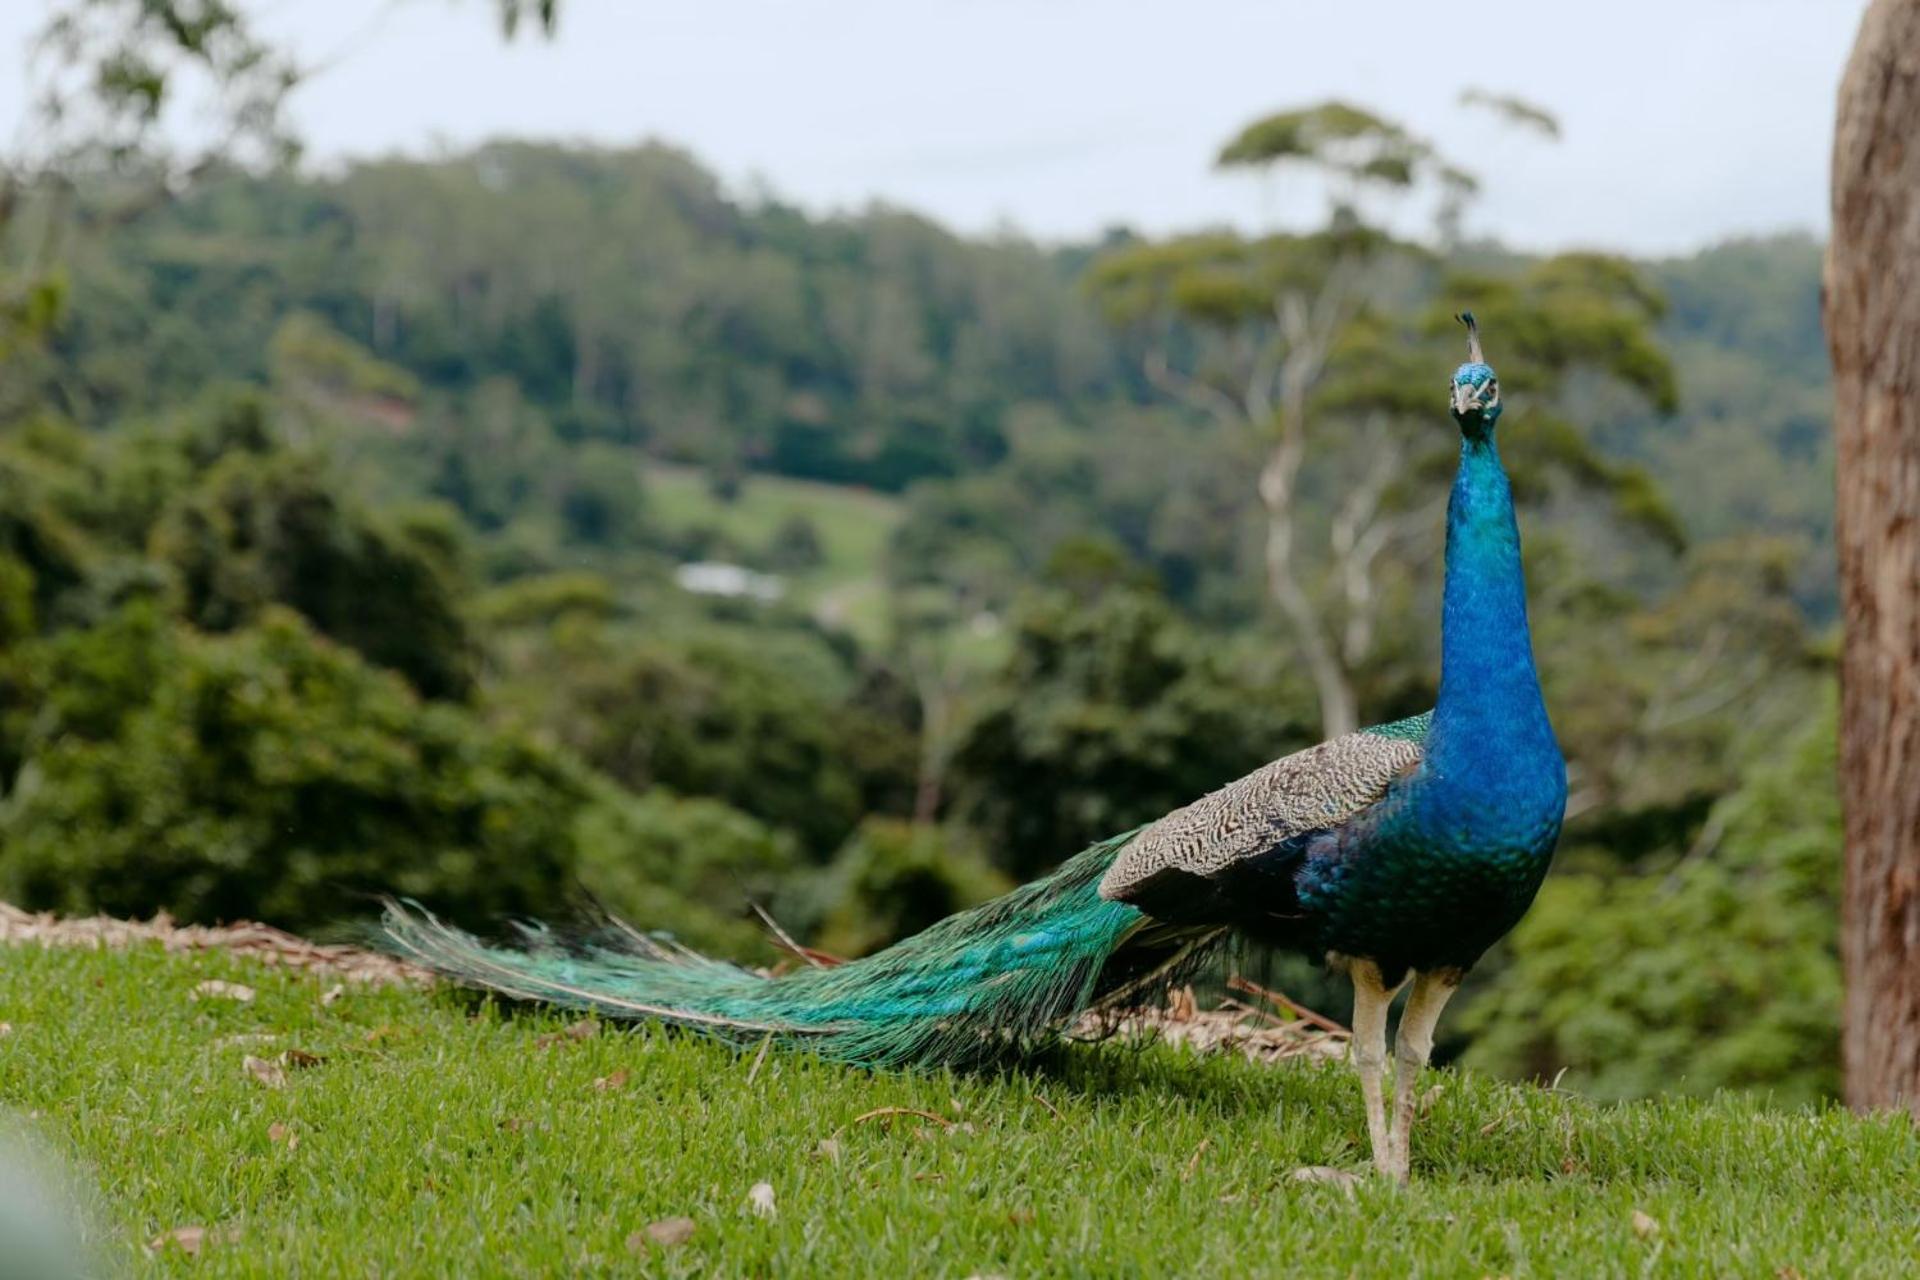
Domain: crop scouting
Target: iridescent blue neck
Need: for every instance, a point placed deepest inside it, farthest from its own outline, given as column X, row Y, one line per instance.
column 1490, row 718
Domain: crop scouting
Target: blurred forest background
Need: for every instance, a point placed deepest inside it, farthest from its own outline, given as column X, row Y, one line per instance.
column 539, row 523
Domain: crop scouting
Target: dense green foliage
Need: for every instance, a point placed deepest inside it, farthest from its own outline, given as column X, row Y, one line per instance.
column 434, row 1137
column 684, row 867
column 1721, row 970
column 340, row 520
column 271, row 774
column 1107, row 715
column 874, row 350
column 1752, row 449
column 462, row 310
column 255, row 531
column 267, row 774
column 187, row 725
column 893, row 879
column 710, row 718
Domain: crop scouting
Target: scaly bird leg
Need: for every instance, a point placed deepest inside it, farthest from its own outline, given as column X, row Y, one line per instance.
column 1411, row 1049
column 1371, row 997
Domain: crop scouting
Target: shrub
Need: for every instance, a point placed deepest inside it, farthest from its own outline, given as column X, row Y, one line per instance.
column 1106, row 715
column 711, row 717
column 266, row 530
column 1720, row 972
column 267, row 773
column 892, row 879
column 688, row 868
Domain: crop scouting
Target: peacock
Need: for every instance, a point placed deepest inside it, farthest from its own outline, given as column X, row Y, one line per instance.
column 1400, row 853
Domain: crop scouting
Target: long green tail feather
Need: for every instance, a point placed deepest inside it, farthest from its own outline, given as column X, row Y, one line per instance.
column 978, row 984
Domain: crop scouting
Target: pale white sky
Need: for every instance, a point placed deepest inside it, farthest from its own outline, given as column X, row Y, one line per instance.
column 1686, row 121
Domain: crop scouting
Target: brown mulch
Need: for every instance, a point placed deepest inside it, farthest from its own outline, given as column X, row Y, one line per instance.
column 1257, row 1032
column 255, row 941
column 1266, row 1028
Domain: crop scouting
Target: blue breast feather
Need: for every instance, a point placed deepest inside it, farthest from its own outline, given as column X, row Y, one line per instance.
column 1452, row 855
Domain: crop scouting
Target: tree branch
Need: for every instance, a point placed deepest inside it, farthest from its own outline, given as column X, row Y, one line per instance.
column 1188, row 390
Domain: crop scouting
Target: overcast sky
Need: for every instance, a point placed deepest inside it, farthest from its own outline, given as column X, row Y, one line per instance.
column 1686, row 121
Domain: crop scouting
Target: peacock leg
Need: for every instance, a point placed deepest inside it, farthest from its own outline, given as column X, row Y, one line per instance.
column 1412, row 1047
column 1371, row 997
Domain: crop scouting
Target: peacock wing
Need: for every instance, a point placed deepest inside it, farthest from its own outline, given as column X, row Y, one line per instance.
column 1251, row 819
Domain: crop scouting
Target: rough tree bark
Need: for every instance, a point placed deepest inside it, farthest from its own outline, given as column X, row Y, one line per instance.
column 1872, row 304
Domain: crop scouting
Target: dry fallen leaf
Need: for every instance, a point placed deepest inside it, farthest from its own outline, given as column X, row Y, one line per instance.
column 215, row 989
column 1327, row 1174
column 332, row 993
column 584, row 1029
column 300, row 1058
column 760, row 1199
column 668, row 1233
column 270, row 1074
column 1020, row 1218
column 6, row 1028
column 613, row 1081
column 186, row 1239
column 277, row 1133
column 829, row 1149
column 1645, row 1227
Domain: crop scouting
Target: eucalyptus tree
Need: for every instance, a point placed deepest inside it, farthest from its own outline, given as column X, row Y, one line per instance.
column 1315, row 346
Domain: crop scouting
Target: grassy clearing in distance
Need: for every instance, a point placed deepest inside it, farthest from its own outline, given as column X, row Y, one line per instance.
column 853, row 525
column 443, row 1136
column 847, row 590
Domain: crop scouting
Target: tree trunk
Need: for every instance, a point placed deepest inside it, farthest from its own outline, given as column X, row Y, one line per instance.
column 1339, row 709
column 929, row 788
column 1872, row 304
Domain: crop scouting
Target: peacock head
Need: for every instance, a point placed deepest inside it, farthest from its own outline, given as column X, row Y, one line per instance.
column 1475, row 387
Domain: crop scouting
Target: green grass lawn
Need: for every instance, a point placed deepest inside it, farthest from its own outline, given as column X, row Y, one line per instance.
column 439, row 1135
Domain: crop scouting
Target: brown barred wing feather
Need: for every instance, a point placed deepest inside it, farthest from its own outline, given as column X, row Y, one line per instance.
column 1311, row 790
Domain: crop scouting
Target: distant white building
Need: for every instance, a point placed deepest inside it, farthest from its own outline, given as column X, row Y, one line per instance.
column 716, row 578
